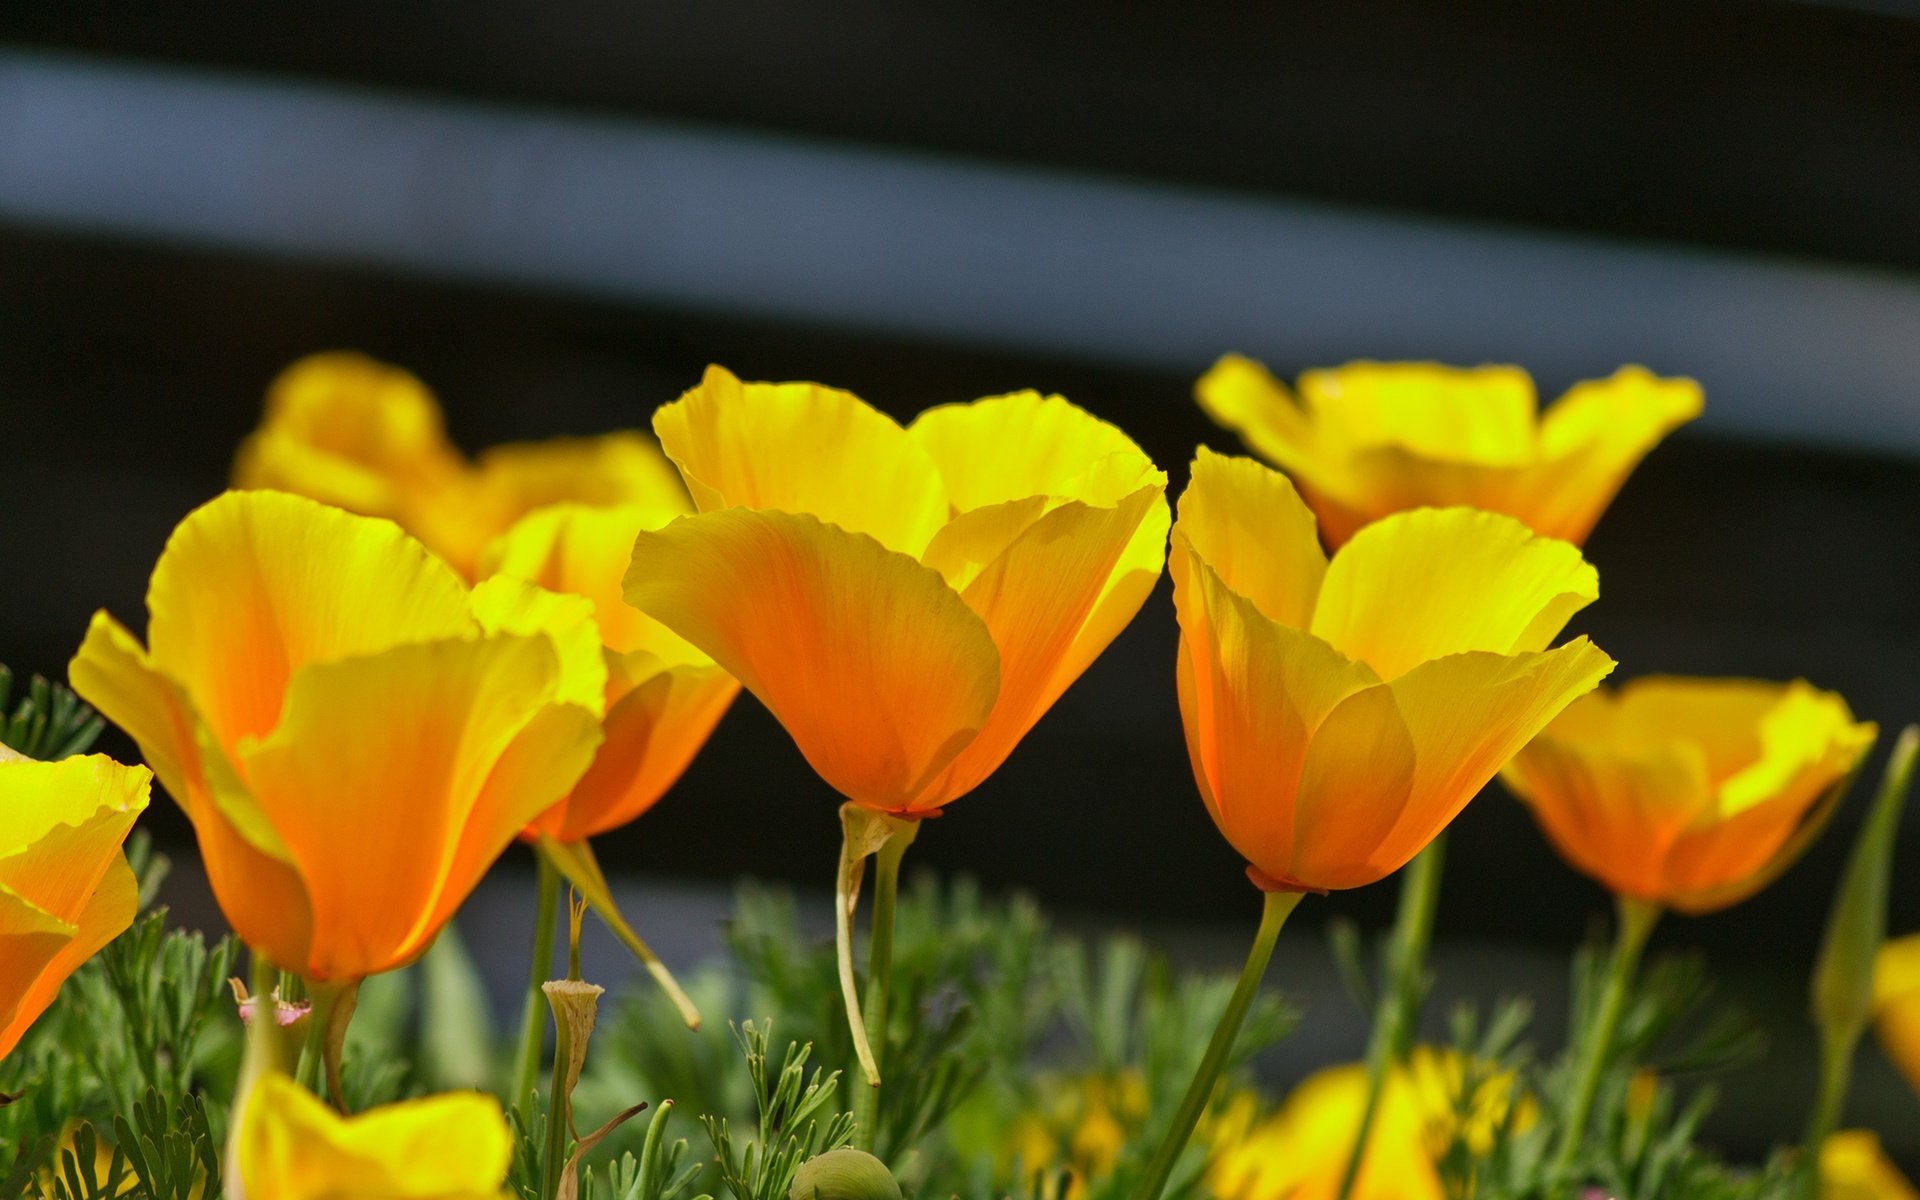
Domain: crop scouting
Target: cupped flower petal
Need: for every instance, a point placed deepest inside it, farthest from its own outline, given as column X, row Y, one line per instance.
column 879, row 671
column 1437, row 582
column 1854, row 1166
column 1038, row 529
column 1369, row 439
column 1896, row 1004
column 1330, row 753
column 350, row 431
column 1300, row 1152
column 357, row 747
column 460, row 740
column 65, row 887
column 1694, row 793
column 803, row 448
column 663, row 696
column 292, row 1146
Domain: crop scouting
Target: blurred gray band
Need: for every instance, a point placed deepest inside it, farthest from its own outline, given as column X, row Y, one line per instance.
column 1083, row 267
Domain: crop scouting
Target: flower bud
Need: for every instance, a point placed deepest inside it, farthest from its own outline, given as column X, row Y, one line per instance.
column 845, row 1174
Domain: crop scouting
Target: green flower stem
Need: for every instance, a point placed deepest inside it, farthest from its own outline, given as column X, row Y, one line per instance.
column 533, row 1016
column 1393, row 1014
column 333, row 1007
column 886, row 888
column 1636, row 920
column 1279, row 906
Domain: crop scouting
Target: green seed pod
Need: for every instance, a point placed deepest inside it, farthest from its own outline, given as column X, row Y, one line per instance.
column 845, row 1174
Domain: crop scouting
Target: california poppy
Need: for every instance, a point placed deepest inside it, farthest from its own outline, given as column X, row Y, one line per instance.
column 1369, row 439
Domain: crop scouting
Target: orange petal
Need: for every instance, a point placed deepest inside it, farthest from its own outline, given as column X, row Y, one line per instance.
column 1247, row 523
column 1466, row 715
column 291, row 577
column 660, row 721
column 1483, row 582
column 800, row 447
column 1037, row 598
column 261, row 895
column 1252, row 694
column 875, row 666
column 105, row 915
column 381, row 781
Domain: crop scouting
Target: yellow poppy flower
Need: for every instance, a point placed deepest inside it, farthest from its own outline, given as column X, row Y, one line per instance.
column 907, row 601
column 1854, row 1167
column 65, row 887
column 290, row 1146
column 1301, row 1151
column 1693, row 793
column 368, row 437
column 1340, row 713
column 354, row 734
column 1369, row 439
column 662, row 696
column 1896, row 1004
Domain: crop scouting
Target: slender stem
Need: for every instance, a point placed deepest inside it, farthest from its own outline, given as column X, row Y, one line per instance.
column 333, row 1008
column 886, row 887
column 1836, row 1071
column 1279, row 906
column 1636, row 920
column 533, row 1016
column 1393, row 1013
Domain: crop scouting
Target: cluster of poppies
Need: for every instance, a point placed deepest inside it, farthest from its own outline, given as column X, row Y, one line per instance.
column 377, row 662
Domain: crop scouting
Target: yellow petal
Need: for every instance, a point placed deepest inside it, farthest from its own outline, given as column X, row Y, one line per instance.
column 1593, row 437
column 1421, row 585
column 1469, row 714
column 1854, row 1167
column 350, row 431
column 1896, row 1004
column 1243, row 396
column 877, row 669
column 585, row 551
column 1037, row 598
column 454, row 1146
column 1252, row 694
column 1011, row 447
column 396, row 779
column 1481, row 415
column 105, row 915
column 261, row 895
column 800, row 447
column 660, row 721
column 504, row 604
column 290, row 581
column 1249, row 525
column 44, row 798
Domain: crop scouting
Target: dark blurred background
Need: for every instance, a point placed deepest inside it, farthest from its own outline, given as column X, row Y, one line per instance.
column 558, row 215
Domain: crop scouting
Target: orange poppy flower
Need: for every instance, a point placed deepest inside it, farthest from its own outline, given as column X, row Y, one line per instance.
column 1896, row 1004
column 1340, row 712
column 354, row 733
column 1369, row 439
column 368, row 437
column 907, row 601
column 65, row 887
column 1692, row 793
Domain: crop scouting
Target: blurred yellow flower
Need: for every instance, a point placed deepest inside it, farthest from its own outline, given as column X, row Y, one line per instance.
column 1896, row 1004
column 290, row 1146
column 1691, row 793
column 662, row 696
column 1340, row 713
column 368, row 437
column 65, row 887
column 1369, row 439
column 354, row 734
column 1080, row 1127
column 1854, row 1167
column 1301, row 1151
column 907, row 601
